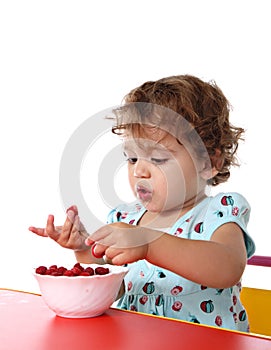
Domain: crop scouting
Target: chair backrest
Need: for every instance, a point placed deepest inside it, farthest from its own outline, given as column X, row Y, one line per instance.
column 258, row 301
column 260, row 260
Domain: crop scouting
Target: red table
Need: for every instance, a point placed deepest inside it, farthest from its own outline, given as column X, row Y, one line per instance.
column 27, row 323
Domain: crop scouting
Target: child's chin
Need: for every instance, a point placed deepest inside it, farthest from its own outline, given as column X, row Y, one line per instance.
column 151, row 207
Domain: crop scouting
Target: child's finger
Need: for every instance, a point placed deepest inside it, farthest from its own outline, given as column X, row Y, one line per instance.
column 71, row 215
column 77, row 223
column 68, row 224
column 73, row 208
column 115, row 256
column 38, row 231
column 50, row 228
column 89, row 241
column 98, row 250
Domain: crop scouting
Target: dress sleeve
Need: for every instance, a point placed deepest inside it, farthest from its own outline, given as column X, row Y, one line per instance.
column 230, row 207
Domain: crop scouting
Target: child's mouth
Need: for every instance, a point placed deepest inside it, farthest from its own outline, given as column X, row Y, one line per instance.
column 143, row 193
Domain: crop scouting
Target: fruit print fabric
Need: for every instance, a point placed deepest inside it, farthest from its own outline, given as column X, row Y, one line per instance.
column 153, row 290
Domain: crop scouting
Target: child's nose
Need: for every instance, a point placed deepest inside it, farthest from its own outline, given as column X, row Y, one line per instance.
column 141, row 168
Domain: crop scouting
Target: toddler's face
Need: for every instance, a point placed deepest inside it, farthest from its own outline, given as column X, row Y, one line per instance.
column 162, row 172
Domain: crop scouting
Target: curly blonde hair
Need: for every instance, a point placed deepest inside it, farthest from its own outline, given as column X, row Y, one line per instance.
column 205, row 107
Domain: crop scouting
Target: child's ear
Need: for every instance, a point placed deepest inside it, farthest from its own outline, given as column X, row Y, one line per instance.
column 210, row 168
column 208, row 173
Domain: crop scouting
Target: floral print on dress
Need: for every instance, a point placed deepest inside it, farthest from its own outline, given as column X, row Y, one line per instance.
column 159, row 301
column 143, row 299
column 207, row 306
column 176, row 290
column 235, row 211
column 177, row 306
column 199, row 227
column 148, row 288
column 178, row 232
column 218, row 321
column 227, row 200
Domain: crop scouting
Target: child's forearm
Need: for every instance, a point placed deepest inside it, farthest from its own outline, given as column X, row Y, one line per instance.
column 204, row 262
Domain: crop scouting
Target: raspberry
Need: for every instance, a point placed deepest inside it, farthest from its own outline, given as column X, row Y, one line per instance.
column 41, row 270
column 76, row 271
column 55, row 273
column 61, row 270
column 84, row 273
column 89, row 270
column 51, row 270
column 68, row 273
column 79, row 266
column 101, row 270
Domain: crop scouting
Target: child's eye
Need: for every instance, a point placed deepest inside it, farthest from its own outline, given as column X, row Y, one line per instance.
column 159, row 161
column 132, row 160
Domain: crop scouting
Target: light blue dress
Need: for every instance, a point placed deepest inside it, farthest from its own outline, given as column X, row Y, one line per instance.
column 153, row 290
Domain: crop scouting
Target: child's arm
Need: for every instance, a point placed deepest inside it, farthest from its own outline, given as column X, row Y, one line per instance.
column 218, row 263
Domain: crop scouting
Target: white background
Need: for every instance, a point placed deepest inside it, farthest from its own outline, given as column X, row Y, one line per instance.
column 63, row 61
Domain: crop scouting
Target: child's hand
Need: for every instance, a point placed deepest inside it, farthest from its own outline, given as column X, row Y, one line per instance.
column 122, row 243
column 71, row 235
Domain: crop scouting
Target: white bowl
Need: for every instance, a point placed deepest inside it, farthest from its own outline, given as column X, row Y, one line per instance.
column 81, row 296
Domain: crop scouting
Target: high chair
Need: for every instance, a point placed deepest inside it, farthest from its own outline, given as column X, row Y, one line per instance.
column 258, row 301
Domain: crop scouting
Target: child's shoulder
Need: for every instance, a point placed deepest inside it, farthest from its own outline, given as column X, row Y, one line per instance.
column 225, row 199
column 222, row 208
column 228, row 204
column 222, row 204
column 230, row 207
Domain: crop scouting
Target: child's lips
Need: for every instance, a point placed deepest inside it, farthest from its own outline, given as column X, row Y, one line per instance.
column 143, row 193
